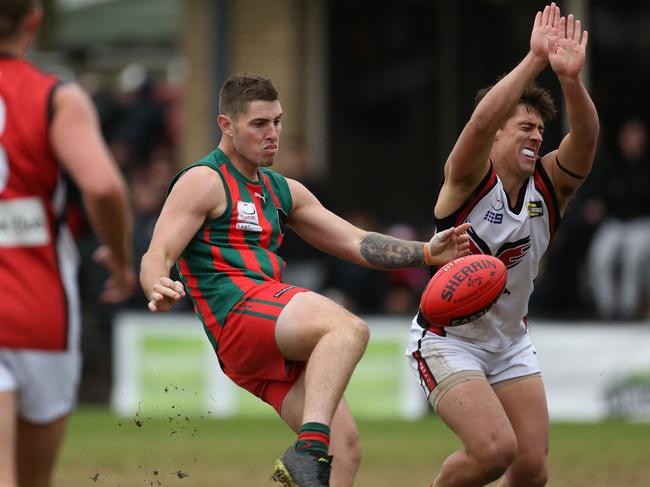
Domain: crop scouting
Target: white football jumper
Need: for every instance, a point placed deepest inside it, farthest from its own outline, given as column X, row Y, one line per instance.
column 519, row 237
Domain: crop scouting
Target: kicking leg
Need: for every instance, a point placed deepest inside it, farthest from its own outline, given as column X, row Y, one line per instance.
column 331, row 340
column 345, row 445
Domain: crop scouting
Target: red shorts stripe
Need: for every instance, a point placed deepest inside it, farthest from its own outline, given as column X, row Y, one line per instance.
column 263, row 301
column 425, row 372
column 255, row 314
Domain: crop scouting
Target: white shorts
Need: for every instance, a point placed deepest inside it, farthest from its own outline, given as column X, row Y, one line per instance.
column 441, row 362
column 45, row 383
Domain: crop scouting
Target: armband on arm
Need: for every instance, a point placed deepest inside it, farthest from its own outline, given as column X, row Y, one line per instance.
column 568, row 171
column 427, row 255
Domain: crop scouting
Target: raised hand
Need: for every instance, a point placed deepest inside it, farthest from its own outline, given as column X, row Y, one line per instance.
column 449, row 244
column 567, row 54
column 545, row 30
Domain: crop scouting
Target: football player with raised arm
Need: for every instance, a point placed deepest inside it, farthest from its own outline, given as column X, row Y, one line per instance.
column 483, row 378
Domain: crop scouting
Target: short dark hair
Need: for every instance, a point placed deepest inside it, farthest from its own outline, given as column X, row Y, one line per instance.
column 12, row 12
column 534, row 97
column 241, row 89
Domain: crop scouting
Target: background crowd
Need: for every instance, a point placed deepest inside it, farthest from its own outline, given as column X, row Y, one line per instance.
column 596, row 270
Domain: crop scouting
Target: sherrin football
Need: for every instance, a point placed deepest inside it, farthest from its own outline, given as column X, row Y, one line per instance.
column 463, row 290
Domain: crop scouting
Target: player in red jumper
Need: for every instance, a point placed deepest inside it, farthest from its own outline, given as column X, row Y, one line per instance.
column 46, row 128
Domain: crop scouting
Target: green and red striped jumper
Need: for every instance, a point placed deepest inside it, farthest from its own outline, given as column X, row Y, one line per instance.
column 231, row 254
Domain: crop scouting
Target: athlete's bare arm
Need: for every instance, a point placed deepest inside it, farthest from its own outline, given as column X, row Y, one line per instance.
column 577, row 149
column 468, row 161
column 77, row 142
column 332, row 234
column 198, row 194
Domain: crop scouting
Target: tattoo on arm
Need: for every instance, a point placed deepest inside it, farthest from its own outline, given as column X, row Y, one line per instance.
column 387, row 252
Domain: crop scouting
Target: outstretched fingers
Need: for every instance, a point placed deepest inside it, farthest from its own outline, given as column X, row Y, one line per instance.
column 562, row 28
column 462, row 239
column 545, row 15
column 577, row 32
column 461, row 229
column 456, row 232
column 570, row 27
column 549, row 17
column 553, row 15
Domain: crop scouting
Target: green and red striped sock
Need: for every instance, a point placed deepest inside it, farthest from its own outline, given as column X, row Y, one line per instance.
column 314, row 438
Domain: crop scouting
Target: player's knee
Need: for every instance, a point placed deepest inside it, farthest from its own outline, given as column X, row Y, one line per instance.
column 354, row 331
column 496, row 456
column 532, row 472
column 360, row 330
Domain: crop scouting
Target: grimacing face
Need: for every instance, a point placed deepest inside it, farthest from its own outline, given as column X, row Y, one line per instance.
column 519, row 141
column 256, row 132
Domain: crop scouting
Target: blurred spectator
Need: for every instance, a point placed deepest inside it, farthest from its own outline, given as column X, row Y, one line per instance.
column 359, row 289
column 148, row 192
column 170, row 94
column 142, row 126
column 618, row 260
column 307, row 265
column 140, row 122
column 103, row 97
column 356, row 288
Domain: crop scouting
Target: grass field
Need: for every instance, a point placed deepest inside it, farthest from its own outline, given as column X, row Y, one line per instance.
column 101, row 449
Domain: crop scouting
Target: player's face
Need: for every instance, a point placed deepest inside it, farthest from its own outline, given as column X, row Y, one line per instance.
column 520, row 139
column 256, row 132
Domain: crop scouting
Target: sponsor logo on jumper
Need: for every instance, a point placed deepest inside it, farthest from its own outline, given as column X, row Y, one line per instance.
column 493, row 217
column 260, row 196
column 23, row 223
column 535, row 209
column 247, row 217
column 497, row 205
column 464, row 273
column 283, row 290
column 512, row 253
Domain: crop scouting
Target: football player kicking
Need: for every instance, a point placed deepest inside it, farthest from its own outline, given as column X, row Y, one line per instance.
column 223, row 222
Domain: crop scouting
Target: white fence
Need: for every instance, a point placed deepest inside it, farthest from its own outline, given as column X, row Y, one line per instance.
column 164, row 364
